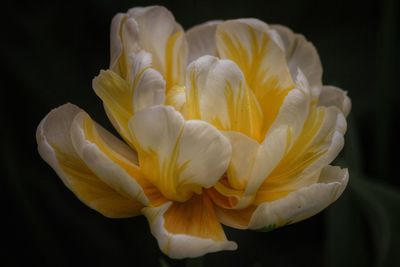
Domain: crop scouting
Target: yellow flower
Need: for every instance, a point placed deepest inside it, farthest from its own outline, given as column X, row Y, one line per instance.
column 227, row 123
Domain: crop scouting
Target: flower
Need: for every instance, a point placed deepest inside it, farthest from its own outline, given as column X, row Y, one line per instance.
column 227, row 123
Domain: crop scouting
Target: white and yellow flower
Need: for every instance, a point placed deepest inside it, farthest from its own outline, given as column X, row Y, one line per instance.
column 227, row 123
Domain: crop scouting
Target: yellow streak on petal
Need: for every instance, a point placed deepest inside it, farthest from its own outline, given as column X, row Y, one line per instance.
column 173, row 62
column 303, row 153
column 92, row 191
column 269, row 89
column 193, row 102
column 133, row 170
column 164, row 173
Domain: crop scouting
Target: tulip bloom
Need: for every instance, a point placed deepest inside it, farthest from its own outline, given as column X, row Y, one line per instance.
column 228, row 123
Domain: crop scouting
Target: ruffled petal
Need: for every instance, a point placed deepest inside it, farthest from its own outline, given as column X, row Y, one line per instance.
column 122, row 98
column 201, row 40
column 251, row 163
column 216, row 92
column 303, row 203
column 302, row 54
column 333, row 96
column 189, row 229
column 112, row 161
column 179, row 157
column 164, row 39
column 250, row 45
column 56, row 147
column 296, row 206
column 317, row 146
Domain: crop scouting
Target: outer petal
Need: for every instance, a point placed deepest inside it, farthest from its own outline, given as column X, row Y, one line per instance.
column 123, row 98
column 249, row 44
column 217, row 92
column 303, row 203
column 296, row 206
column 111, row 160
column 178, row 157
column 318, row 145
column 301, row 54
column 333, row 96
column 201, row 40
column 56, row 148
column 189, row 229
column 164, row 39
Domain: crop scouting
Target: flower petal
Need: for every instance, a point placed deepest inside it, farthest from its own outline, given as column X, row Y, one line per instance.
column 217, row 93
column 164, row 39
column 123, row 98
column 303, row 203
column 111, row 160
column 302, row 54
column 333, row 96
column 248, row 43
column 295, row 108
column 179, row 157
column 318, row 145
column 250, row 165
column 201, row 40
column 56, row 148
column 124, row 37
column 189, row 229
column 296, row 206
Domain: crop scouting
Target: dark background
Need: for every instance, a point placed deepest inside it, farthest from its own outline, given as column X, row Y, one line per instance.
column 51, row 51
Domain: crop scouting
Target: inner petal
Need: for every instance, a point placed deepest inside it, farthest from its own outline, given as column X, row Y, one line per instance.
column 248, row 43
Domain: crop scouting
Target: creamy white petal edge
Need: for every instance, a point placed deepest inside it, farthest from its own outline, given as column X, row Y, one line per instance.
column 201, row 40
column 303, row 203
column 334, row 96
column 302, row 54
column 180, row 246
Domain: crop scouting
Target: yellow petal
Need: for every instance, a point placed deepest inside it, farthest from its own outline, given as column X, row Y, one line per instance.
column 179, row 157
column 250, row 165
column 56, row 148
column 112, row 161
column 122, row 98
column 296, row 206
column 318, row 144
column 201, row 40
column 217, row 93
column 248, row 43
column 303, row 203
column 189, row 229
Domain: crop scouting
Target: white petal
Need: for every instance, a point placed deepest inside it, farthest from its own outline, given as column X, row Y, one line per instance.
column 124, row 38
column 303, row 203
column 300, row 54
column 333, row 96
column 179, row 157
column 164, row 39
column 201, row 40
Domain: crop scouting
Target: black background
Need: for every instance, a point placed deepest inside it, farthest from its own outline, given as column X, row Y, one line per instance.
column 50, row 51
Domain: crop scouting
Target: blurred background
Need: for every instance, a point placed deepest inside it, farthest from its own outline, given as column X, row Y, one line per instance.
column 50, row 51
